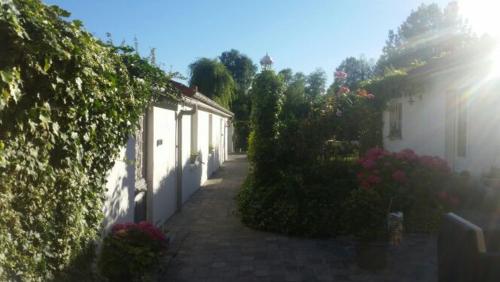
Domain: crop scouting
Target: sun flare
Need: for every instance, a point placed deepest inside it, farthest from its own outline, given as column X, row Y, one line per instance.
column 495, row 68
column 482, row 16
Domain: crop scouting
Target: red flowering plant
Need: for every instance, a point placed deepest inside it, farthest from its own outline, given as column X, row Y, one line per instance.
column 131, row 250
column 417, row 185
column 355, row 113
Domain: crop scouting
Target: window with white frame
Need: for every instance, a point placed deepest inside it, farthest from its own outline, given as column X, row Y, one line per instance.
column 395, row 120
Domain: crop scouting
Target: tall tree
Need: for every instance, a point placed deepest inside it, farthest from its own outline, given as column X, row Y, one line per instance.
column 240, row 66
column 315, row 84
column 427, row 32
column 267, row 95
column 286, row 75
column 213, row 79
column 357, row 69
column 242, row 70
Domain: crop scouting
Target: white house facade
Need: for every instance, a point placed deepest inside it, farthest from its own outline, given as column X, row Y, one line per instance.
column 178, row 146
column 457, row 117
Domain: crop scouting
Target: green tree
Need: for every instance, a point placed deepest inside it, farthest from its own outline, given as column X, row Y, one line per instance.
column 315, row 84
column 267, row 96
column 286, row 75
column 242, row 70
column 241, row 67
column 426, row 33
column 357, row 69
column 213, row 80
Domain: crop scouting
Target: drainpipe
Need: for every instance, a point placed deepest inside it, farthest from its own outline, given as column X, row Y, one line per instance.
column 179, row 152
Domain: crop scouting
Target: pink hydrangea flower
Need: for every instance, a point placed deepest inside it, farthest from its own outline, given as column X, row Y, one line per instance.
column 368, row 164
column 399, row 176
column 344, row 90
column 374, row 179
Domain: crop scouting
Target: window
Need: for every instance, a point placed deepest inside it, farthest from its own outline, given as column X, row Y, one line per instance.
column 395, row 117
column 210, row 134
column 462, row 126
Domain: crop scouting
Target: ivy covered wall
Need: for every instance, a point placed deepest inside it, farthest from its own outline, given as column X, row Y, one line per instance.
column 68, row 102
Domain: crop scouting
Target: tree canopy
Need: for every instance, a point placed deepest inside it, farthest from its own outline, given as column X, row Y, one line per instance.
column 213, row 80
column 426, row 33
column 240, row 66
column 242, row 70
column 315, row 84
column 357, row 69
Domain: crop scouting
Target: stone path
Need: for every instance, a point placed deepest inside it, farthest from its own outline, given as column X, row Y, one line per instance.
column 210, row 244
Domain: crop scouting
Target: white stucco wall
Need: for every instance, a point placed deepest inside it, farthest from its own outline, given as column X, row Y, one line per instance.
column 424, row 126
column 120, row 191
column 161, row 164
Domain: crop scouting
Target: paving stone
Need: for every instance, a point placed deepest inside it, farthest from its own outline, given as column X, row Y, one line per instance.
column 209, row 243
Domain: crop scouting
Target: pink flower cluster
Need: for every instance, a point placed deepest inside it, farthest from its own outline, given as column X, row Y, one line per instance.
column 340, row 75
column 344, row 90
column 381, row 166
column 145, row 227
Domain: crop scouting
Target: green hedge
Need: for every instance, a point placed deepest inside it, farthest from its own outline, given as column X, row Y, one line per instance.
column 67, row 104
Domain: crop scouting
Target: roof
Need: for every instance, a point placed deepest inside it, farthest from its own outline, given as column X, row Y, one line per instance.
column 192, row 93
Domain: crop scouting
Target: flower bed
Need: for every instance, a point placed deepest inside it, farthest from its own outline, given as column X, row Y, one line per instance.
column 131, row 250
column 418, row 185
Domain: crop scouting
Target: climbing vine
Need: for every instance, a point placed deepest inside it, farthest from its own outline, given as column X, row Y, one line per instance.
column 68, row 103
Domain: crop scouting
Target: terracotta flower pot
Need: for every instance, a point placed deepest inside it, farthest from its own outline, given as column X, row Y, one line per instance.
column 372, row 255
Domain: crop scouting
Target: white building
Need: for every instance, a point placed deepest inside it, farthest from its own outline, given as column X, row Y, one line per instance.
column 456, row 116
column 178, row 146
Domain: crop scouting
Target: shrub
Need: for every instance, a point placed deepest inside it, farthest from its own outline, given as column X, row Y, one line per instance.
column 131, row 250
column 365, row 214
column 417, row 185
column 295, row 205
column 267, row 91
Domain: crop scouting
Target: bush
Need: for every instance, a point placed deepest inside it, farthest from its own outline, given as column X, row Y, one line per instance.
column 130, row 251
column 417, row 185
column 294, row 205
column 365, row 214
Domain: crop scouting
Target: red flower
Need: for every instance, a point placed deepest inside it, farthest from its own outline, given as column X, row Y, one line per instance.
column 454, row 201
column 399, row 176
column 442, row 195
column 121, row 229
column 344, row 90
column 374, row 179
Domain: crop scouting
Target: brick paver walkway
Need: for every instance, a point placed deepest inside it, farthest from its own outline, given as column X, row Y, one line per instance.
column 209, row 243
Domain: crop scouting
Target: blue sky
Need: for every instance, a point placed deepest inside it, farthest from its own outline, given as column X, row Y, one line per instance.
column 299, row 34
